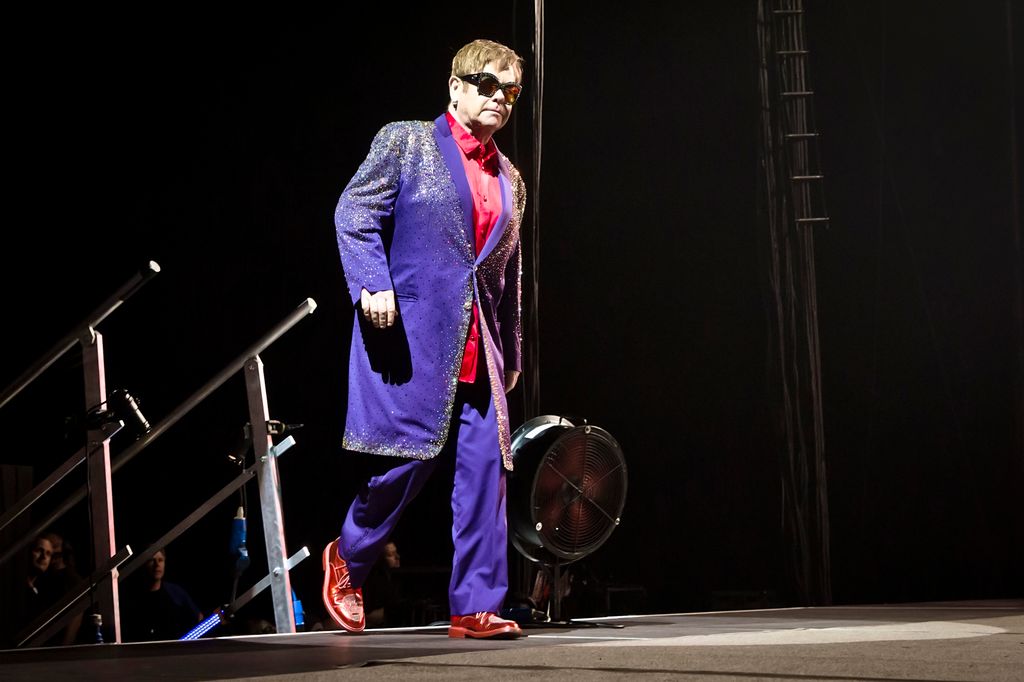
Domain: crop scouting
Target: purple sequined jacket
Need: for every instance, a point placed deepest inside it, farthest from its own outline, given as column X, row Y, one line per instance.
column 405, row 222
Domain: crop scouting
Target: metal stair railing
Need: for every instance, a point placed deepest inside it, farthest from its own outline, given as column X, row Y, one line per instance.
column 98, row 488
column 96, row 452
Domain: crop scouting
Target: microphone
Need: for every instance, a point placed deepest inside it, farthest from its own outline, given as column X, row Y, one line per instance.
column 278, row 428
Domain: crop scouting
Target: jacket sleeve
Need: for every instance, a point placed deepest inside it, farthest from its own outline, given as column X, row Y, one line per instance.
column 365, row 213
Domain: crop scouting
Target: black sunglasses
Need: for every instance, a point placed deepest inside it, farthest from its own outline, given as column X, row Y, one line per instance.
column 487, row 84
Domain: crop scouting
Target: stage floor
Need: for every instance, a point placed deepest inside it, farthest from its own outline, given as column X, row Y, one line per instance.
column 981, row 641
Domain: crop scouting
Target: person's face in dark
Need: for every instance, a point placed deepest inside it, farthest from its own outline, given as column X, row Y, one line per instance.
column 391, row 556
column 155, row 566
column 42, row 551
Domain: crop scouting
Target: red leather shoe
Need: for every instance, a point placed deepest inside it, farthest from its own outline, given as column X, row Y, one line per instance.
column 484, row 625
column 344, row 603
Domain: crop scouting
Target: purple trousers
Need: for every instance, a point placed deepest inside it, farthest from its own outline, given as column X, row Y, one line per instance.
column 479, row 527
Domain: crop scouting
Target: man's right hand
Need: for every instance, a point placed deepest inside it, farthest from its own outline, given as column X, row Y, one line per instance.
column 379, row 308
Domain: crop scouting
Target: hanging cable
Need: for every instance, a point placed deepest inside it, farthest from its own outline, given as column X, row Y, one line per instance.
column 531, row 361
column 793, row 205
column 237, row 544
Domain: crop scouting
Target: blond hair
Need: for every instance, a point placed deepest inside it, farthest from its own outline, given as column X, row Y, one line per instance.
column 477, row 54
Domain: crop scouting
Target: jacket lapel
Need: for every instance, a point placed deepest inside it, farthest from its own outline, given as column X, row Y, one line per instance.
column 451, row 154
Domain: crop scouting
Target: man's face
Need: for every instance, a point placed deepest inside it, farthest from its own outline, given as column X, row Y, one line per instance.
column 155, row 566
column 41, row 553
column 480, row 114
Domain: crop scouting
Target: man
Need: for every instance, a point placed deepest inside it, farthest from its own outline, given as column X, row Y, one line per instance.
column 39, row 563
column 158, row 609
column 33, row 597
column 428, row 232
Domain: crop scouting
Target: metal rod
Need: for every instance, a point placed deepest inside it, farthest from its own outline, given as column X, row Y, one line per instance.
column 270, row 495
column 171, row 535
column 101, row 496
column 59, row 473
column 264, row 583
column 304, row 309
column 220, row 614
column 83, row 329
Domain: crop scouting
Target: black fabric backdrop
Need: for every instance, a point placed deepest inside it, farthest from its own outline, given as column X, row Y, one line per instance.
column 216, row 143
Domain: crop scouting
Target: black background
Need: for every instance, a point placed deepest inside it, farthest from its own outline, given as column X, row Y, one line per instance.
column 216, row 143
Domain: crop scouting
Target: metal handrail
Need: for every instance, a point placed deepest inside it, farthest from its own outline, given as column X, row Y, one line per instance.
column 55, row 477
column 305, row 308
column 265, row 467
column 84, row 329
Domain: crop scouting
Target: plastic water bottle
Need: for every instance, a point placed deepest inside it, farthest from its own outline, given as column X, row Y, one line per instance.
column 300, row 618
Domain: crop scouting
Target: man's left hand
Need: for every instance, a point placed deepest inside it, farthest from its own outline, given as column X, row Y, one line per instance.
column 511, row 378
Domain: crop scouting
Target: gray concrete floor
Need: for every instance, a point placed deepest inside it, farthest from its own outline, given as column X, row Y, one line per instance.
column 981, row 641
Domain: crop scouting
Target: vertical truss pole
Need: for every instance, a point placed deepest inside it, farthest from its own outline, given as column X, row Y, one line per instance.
column 101, row 500
column 270, row 496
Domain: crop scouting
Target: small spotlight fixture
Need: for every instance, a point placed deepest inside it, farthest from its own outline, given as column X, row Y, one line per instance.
column 120, row 406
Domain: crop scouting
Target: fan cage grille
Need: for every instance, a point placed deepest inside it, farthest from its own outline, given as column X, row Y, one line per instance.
column 579, row 492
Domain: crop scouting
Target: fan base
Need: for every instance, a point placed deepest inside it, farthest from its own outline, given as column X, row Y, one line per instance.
column 567, row 624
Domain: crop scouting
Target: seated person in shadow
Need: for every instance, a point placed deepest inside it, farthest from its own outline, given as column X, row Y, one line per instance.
column 157, row 609
column 32, row 596
column 382, row 599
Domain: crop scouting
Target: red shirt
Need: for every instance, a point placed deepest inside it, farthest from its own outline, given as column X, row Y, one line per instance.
column 481, row 165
